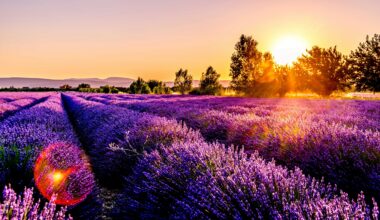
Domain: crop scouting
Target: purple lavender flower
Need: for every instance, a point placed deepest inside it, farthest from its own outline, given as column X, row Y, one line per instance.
column 206, row 181
column 24, row 207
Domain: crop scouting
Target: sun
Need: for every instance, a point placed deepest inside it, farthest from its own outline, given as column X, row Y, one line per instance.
column 287, row 49
column 57, row 177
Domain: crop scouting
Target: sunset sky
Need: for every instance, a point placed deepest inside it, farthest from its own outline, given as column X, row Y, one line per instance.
column 153, row 39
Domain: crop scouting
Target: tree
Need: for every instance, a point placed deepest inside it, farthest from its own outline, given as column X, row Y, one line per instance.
column 139, row 87
column 183, row 81
column 285, row 79
column 326, row 70
column 252, row 71
column 108, row 89
column 364, row 63
column 244, row 64
column 209, row 83
column 84, row 86
column 65, row 87
column 153, row 83
column 158, row 87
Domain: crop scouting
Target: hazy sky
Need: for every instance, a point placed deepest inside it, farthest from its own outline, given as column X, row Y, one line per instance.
column 153, row 39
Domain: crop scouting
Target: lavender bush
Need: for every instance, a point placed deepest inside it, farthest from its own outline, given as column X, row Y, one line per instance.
column 338, row 140
column 23, row 135
column 22, row 138
column 116, row 137
column 24, row 207
column 204, row 181
column 8, row 108
column 165, row 156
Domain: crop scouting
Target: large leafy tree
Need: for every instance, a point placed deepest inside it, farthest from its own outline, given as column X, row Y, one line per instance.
column 245, row 62
column 365, row 64
column 252, row 71
column 209, row 83
column 183, row 81
column 139, row 87
column 158, row 87
column 325, row 70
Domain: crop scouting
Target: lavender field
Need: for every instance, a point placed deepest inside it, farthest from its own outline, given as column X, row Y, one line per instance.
column 98, row 156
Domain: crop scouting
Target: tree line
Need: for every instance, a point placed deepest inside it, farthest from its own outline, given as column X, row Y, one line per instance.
column 209, row 85
column 319, row 70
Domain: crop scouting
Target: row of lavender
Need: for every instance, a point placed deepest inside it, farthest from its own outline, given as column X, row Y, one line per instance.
column 171, row 171
column 362, row 114
column 335, row 139
column 22, row 137
column 13, row 102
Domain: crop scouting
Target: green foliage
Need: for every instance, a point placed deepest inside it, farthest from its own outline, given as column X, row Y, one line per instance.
column 65, row 87
column 162, row 89
column 195, row 91
column 183, row 81
column 158, row 87
column 84, row 86
column 364, row 63
column 324, row 70
column 139, row 87
column 153, row 83
column 284, row 79
column 89, row 90
column 209, row 84
column 244, row 62
column 252, row 71
column 16, row 166
column 108, row 89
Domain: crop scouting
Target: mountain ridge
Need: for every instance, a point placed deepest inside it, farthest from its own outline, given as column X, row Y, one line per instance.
column 20, row 82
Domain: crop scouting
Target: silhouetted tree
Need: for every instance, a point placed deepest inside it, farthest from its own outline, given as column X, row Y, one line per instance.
column 252, row 71
column 301, row 78
column 183, row 81
column 365, row 64
column 139, row 87
column 326, row 70
column 65, row 87
column 153, row 83
column 285, row 79
column 84, row 86
column 209, row 83
column 245, row 63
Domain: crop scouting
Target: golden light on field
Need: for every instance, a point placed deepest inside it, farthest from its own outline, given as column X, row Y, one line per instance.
column 287, row 49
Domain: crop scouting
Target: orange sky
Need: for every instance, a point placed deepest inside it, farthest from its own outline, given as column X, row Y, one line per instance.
column 153, row 39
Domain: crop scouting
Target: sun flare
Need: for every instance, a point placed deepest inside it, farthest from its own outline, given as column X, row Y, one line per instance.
column 287, row 49
column 57, row 177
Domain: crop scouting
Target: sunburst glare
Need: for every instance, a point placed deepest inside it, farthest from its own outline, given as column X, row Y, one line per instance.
column 287, row 49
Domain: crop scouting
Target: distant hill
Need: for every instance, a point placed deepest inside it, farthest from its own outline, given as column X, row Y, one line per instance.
column 19, row 82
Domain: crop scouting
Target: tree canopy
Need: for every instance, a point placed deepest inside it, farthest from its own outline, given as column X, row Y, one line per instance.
column 252, row 71
column 325, row 70
column 364, row 63
column 183, row 81
column 139, row 87
column 209, row 83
